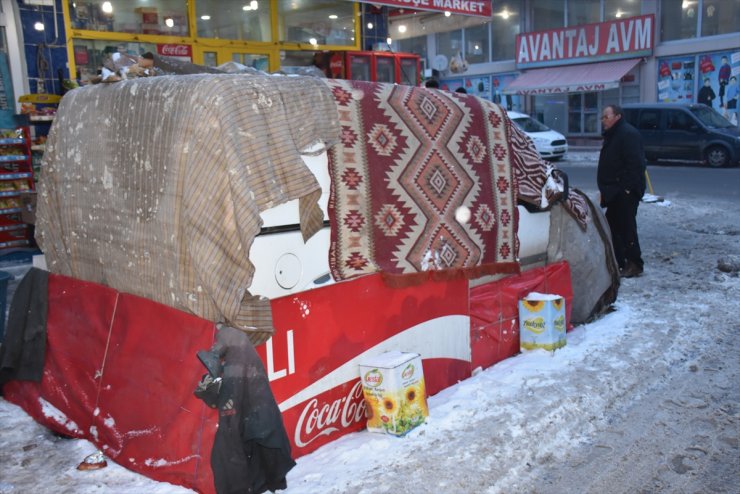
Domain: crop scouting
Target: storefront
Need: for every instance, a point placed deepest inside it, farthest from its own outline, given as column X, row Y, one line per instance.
column 543, row 57
column 265, row 34
column 569, row 72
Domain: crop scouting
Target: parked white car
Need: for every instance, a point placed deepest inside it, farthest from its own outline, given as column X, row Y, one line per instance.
column 550, row 144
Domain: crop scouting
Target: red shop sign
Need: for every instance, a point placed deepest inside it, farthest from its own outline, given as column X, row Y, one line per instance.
column 622, row 38
column 174, row 50
column 479, row 8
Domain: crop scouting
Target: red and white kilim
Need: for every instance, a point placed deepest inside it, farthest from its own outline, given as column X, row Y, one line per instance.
column 530, row 171
column 429, row 156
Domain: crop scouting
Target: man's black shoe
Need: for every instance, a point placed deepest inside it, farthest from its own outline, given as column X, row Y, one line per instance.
column 631, row 270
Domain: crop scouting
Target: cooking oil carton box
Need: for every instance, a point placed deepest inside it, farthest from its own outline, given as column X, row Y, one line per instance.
column 542, row 321
column 395, row 395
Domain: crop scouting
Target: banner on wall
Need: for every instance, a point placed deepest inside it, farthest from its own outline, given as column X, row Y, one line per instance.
column 499, row 83
column 489, row 87
column 477, row 86
column 708, row 78
column 676, row 79
column 478, row 8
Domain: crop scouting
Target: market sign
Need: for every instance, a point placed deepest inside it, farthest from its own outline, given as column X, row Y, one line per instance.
column 480, row 8
column 621, row 38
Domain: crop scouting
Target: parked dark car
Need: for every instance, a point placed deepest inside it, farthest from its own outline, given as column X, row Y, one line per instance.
column 686, row 133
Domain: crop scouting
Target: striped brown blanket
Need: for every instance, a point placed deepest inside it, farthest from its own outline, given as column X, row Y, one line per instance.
column 154, row 186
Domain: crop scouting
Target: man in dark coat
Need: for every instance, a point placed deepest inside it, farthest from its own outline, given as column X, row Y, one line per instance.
column 621, row 181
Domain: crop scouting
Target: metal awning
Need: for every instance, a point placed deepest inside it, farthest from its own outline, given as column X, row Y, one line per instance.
column 573, row 78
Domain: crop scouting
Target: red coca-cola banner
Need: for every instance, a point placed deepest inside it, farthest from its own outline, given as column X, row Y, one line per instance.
column 184, row 52
column 621, row 38
column 479, row 8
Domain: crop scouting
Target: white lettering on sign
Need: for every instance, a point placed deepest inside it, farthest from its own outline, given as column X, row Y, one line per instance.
column 272, row 374
column 643, row 33
column 481, row 8
column 464, row 5
column 565, row 89
column 175, row 50
column 617, row 39
column 316, row 421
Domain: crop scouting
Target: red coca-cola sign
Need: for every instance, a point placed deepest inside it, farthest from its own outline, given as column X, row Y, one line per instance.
column 175, row 50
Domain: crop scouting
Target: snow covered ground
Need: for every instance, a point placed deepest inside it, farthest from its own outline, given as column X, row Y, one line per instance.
column 645, row 399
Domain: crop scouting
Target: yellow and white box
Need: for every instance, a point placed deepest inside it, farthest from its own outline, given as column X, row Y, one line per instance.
column 395, row 395
column 541, row 321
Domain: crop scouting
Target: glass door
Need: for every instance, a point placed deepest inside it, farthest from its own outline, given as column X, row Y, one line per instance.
column 583, row 113
column 409, row 68
column 385, row 68
column 253, row 60
column 358, row 67
column 213, row 57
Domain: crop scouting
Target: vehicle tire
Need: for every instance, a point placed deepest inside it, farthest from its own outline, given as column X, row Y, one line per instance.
column 717, row 156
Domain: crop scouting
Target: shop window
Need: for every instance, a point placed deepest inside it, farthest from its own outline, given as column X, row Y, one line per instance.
column 476, row 43
column 575, row 109
column 720, row 17
column 210, row 58
column 234, row 19
column 259, row 62
column 583, row 113
column 620, row 9
column 552, row 110
column 316, row 22
column 547, row 14
column 90, row 55
column 505, row 25
column 678, row 19
column 449, row 44
column 630, row 94
column 416, row 45
column 583, row 12
column 164, row 17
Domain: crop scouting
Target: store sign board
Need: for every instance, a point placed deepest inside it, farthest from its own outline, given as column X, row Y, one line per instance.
column 181, row 52
column 621, row 38
column 480, row 8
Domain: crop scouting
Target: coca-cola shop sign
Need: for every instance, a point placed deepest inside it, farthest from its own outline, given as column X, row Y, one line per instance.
column 621, row 38
column 181, row 52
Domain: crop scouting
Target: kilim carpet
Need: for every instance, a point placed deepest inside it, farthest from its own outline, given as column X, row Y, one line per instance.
column 422, row 184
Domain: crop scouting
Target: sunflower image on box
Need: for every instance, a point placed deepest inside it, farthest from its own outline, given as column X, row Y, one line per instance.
column 542, row 322
column 394, row 391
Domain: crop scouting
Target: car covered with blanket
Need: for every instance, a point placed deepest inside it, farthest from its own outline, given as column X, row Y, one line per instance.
column 225, row 249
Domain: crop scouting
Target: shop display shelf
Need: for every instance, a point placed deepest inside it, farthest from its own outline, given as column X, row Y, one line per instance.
column 13, row 157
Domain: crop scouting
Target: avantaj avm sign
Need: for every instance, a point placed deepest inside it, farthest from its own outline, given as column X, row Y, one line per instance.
column 620, row 38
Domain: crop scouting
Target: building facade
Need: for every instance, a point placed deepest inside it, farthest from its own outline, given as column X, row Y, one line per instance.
column 559, row 60
column 640, row 51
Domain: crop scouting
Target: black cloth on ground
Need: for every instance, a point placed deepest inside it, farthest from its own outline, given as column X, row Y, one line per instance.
column 251, row 450
column 24, row 348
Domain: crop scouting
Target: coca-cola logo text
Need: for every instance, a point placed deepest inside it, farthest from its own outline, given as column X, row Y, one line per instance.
column 174, row 50
column 321, row 420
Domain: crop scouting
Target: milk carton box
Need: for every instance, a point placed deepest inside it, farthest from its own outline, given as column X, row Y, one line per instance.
column 542, row 321
column 395, row 395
